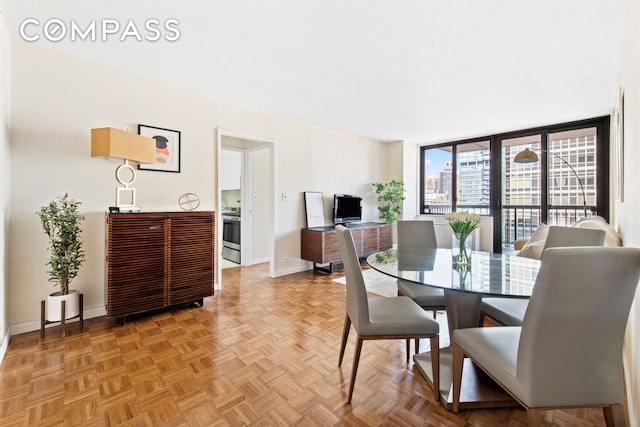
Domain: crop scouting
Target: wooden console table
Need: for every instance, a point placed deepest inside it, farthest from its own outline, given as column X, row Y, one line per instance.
column 320, row 244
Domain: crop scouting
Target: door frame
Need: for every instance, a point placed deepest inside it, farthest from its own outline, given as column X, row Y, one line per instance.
column 252, row 143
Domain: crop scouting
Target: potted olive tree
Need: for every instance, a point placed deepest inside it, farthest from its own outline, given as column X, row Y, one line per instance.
column 390, row 195
column 61, row 223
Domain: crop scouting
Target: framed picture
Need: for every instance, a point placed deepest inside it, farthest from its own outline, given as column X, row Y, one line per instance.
column 618, row 135
column 167, row 148
column 314, row 208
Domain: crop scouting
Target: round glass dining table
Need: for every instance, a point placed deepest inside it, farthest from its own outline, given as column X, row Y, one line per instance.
column 464, row 286
column 487, row 274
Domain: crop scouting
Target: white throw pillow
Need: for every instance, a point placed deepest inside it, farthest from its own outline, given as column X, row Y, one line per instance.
column 535, row 245
column 532, row 250
column 611, row 237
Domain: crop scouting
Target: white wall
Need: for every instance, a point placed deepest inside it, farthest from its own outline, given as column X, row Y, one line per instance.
column 410, row 175
column 57, row 99
column 626, row 213
column 5, row 169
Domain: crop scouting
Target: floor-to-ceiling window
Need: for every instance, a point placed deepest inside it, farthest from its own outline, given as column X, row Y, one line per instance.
column 457, row 175
column 566, row 174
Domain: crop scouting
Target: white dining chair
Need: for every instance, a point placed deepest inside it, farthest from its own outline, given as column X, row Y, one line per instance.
column 568, row 351
column 510, row 311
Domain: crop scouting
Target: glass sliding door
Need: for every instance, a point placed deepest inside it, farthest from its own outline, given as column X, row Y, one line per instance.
column 551, row 190
column 571, row 175
column 521, row 202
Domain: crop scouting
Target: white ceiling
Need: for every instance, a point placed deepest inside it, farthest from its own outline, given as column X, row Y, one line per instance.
column 417, row 70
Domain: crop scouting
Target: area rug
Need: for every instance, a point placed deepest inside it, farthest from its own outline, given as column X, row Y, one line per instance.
column 376, row 283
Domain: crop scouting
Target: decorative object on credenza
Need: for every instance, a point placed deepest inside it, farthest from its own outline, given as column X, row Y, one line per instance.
column 110, row 142
column 528, row 156
column 124, row 209
column 167, row 148
column 390, row 195
column 60, row 221
column 462, row 224
column 314, row 208
column 189, row 201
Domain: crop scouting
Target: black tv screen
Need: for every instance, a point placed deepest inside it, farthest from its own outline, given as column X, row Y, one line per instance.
column 346, row 208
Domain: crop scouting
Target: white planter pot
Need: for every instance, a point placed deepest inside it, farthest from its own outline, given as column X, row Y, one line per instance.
column 54, row 305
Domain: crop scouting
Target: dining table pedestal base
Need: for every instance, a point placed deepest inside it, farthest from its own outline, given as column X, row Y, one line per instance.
column 478, row 390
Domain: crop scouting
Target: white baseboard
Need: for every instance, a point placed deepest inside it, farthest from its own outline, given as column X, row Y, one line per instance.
column 35, row 326
column 292, row 270
column 5, row 345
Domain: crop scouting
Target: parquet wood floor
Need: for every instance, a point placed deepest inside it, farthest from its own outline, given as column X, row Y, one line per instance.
column 260, row 352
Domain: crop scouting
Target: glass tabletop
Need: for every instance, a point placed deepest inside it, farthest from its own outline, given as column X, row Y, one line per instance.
column 488, row 274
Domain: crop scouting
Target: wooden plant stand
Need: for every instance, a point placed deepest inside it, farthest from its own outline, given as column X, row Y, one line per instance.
column 44, row 322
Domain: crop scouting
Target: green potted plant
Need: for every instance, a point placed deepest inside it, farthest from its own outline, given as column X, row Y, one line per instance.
column 390, row 195
column 61, row 223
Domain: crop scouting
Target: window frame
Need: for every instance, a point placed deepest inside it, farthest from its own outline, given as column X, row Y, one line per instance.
column 602, row 125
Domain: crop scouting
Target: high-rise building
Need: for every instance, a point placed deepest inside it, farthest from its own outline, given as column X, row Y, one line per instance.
column 445, row 181
column 474, row 178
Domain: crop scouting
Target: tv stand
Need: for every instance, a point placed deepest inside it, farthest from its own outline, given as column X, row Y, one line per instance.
column 349, row 224
column 320, row 244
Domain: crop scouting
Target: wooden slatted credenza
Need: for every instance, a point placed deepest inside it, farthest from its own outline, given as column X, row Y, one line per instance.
column 157, row 260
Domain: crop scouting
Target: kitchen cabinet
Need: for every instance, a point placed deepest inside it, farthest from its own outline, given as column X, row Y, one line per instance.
column 158, row 259
column 231, row 169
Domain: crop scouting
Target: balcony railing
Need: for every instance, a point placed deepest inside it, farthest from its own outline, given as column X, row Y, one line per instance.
column 519, row 221
column 441, row 208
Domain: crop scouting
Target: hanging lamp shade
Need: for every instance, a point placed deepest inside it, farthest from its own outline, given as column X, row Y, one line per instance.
column 526, row 156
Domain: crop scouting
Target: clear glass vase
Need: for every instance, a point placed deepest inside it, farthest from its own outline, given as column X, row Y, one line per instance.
column 461, row 276
column 461, row 249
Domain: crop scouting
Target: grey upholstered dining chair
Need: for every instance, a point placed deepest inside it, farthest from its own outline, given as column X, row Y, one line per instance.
column 510, row 311
column 380, row 318
column 566, row 353
column 416, row 234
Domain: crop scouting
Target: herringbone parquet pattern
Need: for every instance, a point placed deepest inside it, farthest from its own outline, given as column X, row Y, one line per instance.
column 260, row 352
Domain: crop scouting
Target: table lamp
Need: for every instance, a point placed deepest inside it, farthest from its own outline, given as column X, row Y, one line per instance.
column 528, row 156
column 119, row 144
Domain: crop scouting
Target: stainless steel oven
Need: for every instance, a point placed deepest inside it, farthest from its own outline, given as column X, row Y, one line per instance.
column 231, row 238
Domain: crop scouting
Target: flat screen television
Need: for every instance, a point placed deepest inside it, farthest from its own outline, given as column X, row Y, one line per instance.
column 346, row 208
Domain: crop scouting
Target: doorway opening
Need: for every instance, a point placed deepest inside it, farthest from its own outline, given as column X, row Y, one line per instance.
column 245, row 201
